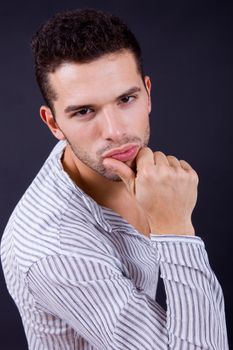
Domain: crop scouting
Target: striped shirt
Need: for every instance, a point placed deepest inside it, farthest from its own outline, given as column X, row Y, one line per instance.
column 83, row 278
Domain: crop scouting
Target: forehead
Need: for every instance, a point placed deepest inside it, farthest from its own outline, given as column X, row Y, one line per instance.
column 111, row 74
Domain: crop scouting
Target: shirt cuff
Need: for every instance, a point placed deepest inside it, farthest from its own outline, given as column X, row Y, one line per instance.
column 176, row 238
column 180, row 250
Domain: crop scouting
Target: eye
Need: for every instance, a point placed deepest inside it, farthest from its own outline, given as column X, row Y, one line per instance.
column 127, row 99
column 82, row 112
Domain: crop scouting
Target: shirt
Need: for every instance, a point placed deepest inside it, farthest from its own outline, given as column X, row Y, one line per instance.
column 83, row 278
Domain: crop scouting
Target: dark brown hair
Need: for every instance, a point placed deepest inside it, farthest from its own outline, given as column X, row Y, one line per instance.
column 79, row 36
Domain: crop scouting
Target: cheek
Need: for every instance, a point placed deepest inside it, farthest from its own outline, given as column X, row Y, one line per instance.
column 80, row 133
column 140, row 117
column 85, row 137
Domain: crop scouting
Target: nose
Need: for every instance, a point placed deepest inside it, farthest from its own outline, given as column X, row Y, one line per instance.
column 112, row 125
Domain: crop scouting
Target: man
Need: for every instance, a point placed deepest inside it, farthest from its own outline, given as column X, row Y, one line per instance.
column 82, row 250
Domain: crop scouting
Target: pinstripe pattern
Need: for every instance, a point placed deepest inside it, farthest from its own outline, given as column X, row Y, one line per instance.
column 83, row 278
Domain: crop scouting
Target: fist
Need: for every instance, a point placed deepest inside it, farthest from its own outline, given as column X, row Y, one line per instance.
column 166, row 189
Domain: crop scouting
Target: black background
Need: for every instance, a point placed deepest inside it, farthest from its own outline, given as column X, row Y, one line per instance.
column 188, row 53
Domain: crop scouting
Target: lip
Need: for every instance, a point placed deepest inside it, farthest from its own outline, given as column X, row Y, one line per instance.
column 123, row 153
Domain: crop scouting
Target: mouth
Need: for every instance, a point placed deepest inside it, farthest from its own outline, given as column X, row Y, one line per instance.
column 124, row 153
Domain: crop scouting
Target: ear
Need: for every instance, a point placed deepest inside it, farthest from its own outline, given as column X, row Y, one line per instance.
column 147, row 83
column 48, row 118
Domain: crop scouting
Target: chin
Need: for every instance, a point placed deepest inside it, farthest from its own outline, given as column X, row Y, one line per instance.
column 113, row 177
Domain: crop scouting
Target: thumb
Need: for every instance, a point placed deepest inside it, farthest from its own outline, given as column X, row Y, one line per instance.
column 123, row 171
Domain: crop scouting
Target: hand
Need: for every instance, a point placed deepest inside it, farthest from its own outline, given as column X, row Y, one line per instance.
column 164, row 187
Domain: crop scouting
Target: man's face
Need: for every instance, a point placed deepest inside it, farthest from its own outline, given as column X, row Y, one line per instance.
column 101, row 106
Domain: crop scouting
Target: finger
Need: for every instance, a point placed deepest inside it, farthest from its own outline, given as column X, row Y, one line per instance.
column 160, row 158
column 125, row 173
column 173, row 161
column 185, row 165
column 145, row 156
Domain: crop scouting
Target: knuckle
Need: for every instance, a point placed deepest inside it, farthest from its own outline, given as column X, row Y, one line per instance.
column 185, row 164
column 167, row 174
column 181, row 172
column 146, row 150
column 180, row 176
column 185, row 161
column 157, row 153
column 194, row 176
column 173, row 161
column 171, row 157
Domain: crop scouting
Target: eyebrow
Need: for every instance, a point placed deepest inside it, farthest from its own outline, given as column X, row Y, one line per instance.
column 130, row 91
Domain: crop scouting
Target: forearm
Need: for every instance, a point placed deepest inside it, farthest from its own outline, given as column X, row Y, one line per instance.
column 195, row 306
column 106, row 308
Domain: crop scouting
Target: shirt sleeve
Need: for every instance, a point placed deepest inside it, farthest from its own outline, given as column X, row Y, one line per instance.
column 90, row 292
column 195, row 303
